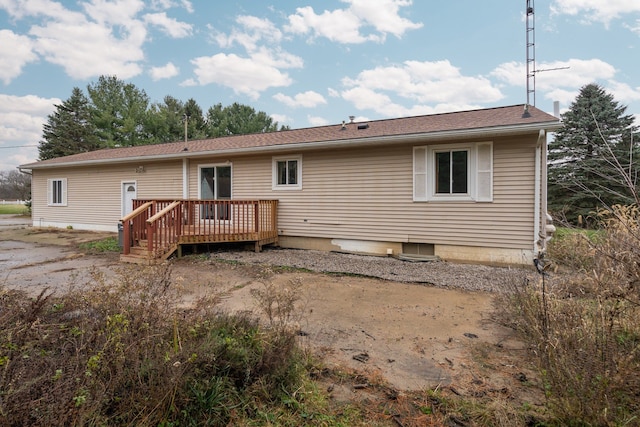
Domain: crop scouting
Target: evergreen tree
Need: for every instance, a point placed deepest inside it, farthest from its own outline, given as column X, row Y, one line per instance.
column 119, row 112
column 593, row 160
column 165, row 122
column 238, row 119
column 196, row 126
column 69, row 129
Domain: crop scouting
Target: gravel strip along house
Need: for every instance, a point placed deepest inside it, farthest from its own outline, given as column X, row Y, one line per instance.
column 465, row 186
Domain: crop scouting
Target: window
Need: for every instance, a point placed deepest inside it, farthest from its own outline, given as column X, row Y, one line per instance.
column 287, row 173
column 457, row 172
column 452, row 172
column 57, row 192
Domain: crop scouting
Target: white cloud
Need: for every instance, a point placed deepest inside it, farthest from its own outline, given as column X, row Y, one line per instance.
column 104, row 38
column 596, row 10
column 168, row 4
column 341, row 26
column 114, row 12
column 19, row 9
column 317, row 121
column 88, row 49
column 383, row 15
column 432, row 86
column 635, row 28
column 259, row 70
column 345, row 25
column 282, row 119
column 250, row 34
column 170, row 26
column 21, row 120
column 623, row 92
column 165, row 72
column 243, row 75
column 16, row 51
column 308, row 99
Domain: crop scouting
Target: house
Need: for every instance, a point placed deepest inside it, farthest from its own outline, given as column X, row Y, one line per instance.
column 465, row 186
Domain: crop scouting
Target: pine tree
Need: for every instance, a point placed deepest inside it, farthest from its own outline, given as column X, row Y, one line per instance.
column 119, row 112
column 69, row 129
column 238, row 119
column 593, row 160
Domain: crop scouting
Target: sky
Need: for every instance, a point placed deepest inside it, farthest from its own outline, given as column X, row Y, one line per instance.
column 310, row 62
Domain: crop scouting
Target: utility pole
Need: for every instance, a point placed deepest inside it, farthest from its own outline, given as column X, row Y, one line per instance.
column 185, row 118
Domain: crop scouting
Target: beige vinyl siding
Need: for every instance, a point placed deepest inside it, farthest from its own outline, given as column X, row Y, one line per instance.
column 367, row 195
column 94, row 193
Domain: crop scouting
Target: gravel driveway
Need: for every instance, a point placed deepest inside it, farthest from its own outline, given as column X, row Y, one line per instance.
column 437, row 273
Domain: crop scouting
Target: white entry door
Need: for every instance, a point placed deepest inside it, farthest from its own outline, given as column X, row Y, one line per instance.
column 128, row 195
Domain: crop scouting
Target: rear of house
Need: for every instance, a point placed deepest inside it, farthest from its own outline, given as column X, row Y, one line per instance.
column 467, row 186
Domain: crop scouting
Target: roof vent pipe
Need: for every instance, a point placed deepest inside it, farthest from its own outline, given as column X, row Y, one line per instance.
column 352, row 118
column 556, row 109
column 344, row 126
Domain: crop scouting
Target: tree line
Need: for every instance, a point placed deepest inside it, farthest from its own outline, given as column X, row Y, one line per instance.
column 114, row 113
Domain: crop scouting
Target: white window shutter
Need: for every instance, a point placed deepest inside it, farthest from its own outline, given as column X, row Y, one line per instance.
column 420, row 174
column 49, row 191
column 64, row 191
column 484, row 172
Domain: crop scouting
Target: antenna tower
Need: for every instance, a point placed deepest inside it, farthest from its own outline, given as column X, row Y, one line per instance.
column 531, row 53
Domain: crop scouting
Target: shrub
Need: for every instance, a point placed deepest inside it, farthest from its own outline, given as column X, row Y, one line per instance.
column 584, row 326
column 126, row 353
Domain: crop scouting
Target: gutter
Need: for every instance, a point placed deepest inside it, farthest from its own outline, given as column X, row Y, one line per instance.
column 540, row 193
column 342, row 143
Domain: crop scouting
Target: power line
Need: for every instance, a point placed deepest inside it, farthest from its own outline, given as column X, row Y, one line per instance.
column 19, row 146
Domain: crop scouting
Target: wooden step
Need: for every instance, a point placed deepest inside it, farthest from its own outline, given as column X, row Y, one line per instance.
column 134, row 259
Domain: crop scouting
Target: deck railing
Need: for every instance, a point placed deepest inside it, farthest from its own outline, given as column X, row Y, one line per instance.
column 161, row 225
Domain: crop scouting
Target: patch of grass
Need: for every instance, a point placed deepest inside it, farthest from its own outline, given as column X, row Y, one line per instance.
column 14, row 210
column 574, row 247
column 109, row 244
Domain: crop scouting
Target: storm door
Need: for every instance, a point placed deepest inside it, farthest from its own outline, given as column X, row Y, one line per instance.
column 215, row 184
column 128, row 196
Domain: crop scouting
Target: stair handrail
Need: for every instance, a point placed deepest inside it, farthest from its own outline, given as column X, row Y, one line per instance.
column 151, row 229
column 126, row 227
column 137, row 211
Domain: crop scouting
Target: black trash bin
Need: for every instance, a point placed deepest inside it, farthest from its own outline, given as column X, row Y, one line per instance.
column 120, row 234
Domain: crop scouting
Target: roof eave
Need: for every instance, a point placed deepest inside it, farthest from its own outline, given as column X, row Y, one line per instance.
column 356, row 142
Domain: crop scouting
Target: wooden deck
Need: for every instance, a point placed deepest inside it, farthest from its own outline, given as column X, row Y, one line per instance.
column 155, row 229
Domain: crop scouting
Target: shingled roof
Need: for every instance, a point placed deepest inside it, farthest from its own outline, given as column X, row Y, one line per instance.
column 510, row 118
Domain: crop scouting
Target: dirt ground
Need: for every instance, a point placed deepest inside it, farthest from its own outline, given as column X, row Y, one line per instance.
column 412, row 336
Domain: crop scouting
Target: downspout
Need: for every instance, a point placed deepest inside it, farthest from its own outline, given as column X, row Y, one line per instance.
column 185, row 178
column 540, row 192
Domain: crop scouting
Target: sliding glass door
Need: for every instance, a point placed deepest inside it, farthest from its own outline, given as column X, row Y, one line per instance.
column 215, row 184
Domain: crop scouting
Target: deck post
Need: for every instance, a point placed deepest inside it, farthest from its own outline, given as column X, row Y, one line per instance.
column 126, row 237
column 256, row 217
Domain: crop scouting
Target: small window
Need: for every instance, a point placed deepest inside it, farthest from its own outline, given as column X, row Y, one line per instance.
column 57, row 192
column 287, row 173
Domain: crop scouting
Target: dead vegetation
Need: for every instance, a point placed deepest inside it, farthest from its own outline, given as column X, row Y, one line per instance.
column 583, row 326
